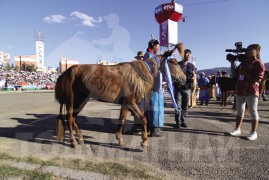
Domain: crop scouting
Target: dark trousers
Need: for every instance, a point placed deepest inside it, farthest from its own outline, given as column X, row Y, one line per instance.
column 182, row 100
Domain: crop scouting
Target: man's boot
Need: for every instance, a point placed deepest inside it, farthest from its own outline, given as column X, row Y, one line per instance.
column 155, row 132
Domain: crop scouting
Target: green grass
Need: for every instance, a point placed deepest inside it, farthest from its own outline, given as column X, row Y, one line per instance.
column 112, row 169
column 5, row 156
column 11, row 172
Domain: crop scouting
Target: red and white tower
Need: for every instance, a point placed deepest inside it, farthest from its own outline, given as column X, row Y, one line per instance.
column 168, row 15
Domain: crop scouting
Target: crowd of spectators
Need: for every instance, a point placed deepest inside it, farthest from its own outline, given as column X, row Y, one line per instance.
column 38, row 79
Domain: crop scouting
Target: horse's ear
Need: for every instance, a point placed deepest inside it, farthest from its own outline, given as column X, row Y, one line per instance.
column 180, row 48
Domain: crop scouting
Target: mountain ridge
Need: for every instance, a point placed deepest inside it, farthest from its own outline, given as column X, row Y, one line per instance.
column 227, row 69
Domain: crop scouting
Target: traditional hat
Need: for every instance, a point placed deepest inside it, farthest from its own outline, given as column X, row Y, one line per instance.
column 140, row 54
column 223, row 72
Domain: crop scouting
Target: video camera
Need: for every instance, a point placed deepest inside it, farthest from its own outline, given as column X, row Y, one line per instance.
column 239, row 51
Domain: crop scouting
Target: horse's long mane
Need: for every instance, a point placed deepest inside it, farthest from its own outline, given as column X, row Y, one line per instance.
column 139, row 78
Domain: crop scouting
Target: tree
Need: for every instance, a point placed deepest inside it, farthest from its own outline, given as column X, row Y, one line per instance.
column 31, row 68
column 16, row 68
column 7, row 67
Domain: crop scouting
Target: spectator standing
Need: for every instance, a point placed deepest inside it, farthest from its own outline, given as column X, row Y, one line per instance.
column 140, row 55
column 211, row 88
column 182, row 92
column 204, row 85
column 217, row 88
column 250, row 72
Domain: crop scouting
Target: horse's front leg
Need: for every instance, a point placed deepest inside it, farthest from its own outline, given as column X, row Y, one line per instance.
column 123, row 114
column 139, row 114
column 222, row 98
column 225, row 98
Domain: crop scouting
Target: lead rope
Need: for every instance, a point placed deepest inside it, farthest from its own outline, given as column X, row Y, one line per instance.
column 202, row 109
column 140, row 74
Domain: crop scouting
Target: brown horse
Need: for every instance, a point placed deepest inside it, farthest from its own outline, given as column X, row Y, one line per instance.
column 123, row 83
column 226, row 85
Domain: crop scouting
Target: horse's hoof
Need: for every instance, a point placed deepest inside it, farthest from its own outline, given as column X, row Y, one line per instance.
column 144, row 145
column 81, row 141
column 73, row 145
column 60, row 140
column 121, row 143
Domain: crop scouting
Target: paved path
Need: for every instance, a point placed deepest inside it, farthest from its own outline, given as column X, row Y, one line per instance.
column 201, row 151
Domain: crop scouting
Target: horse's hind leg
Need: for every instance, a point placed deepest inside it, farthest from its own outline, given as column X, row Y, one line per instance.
column 71, row 121
column 79, row 133
column 80, row 101
column 123, row 114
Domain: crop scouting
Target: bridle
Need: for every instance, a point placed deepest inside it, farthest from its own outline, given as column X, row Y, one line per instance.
column 175, row 77
column 141, row 74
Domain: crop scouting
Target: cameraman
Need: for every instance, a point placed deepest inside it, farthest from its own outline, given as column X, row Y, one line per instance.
column 249, row 73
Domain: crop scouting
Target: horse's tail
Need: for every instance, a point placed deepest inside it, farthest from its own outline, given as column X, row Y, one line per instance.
column 63, row 89
column 64, row 83
column 60, row 126
column 57, row 90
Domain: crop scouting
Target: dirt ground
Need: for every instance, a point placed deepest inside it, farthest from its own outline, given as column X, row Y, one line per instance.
column 201, row 151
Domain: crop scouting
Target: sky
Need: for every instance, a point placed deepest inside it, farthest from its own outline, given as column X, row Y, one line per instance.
column 115, row 30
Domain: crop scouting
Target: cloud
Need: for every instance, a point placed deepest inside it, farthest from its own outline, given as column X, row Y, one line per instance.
column 85, row 19
column 56, row 18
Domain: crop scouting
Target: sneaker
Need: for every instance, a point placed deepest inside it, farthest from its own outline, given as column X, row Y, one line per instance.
column 235, row 132
column 252, row 136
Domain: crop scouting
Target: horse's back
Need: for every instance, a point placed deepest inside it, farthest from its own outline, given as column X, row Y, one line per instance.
column 227, row 83
column 102, row 81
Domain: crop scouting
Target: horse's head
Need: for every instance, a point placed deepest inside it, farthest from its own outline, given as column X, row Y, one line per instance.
column 175, row 70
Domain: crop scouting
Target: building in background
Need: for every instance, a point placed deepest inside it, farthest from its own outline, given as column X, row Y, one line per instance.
column 51, row 69
column 22, row 62
column 4, row 58
column 39, row 41
column 66, row 63
column 104, row 62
